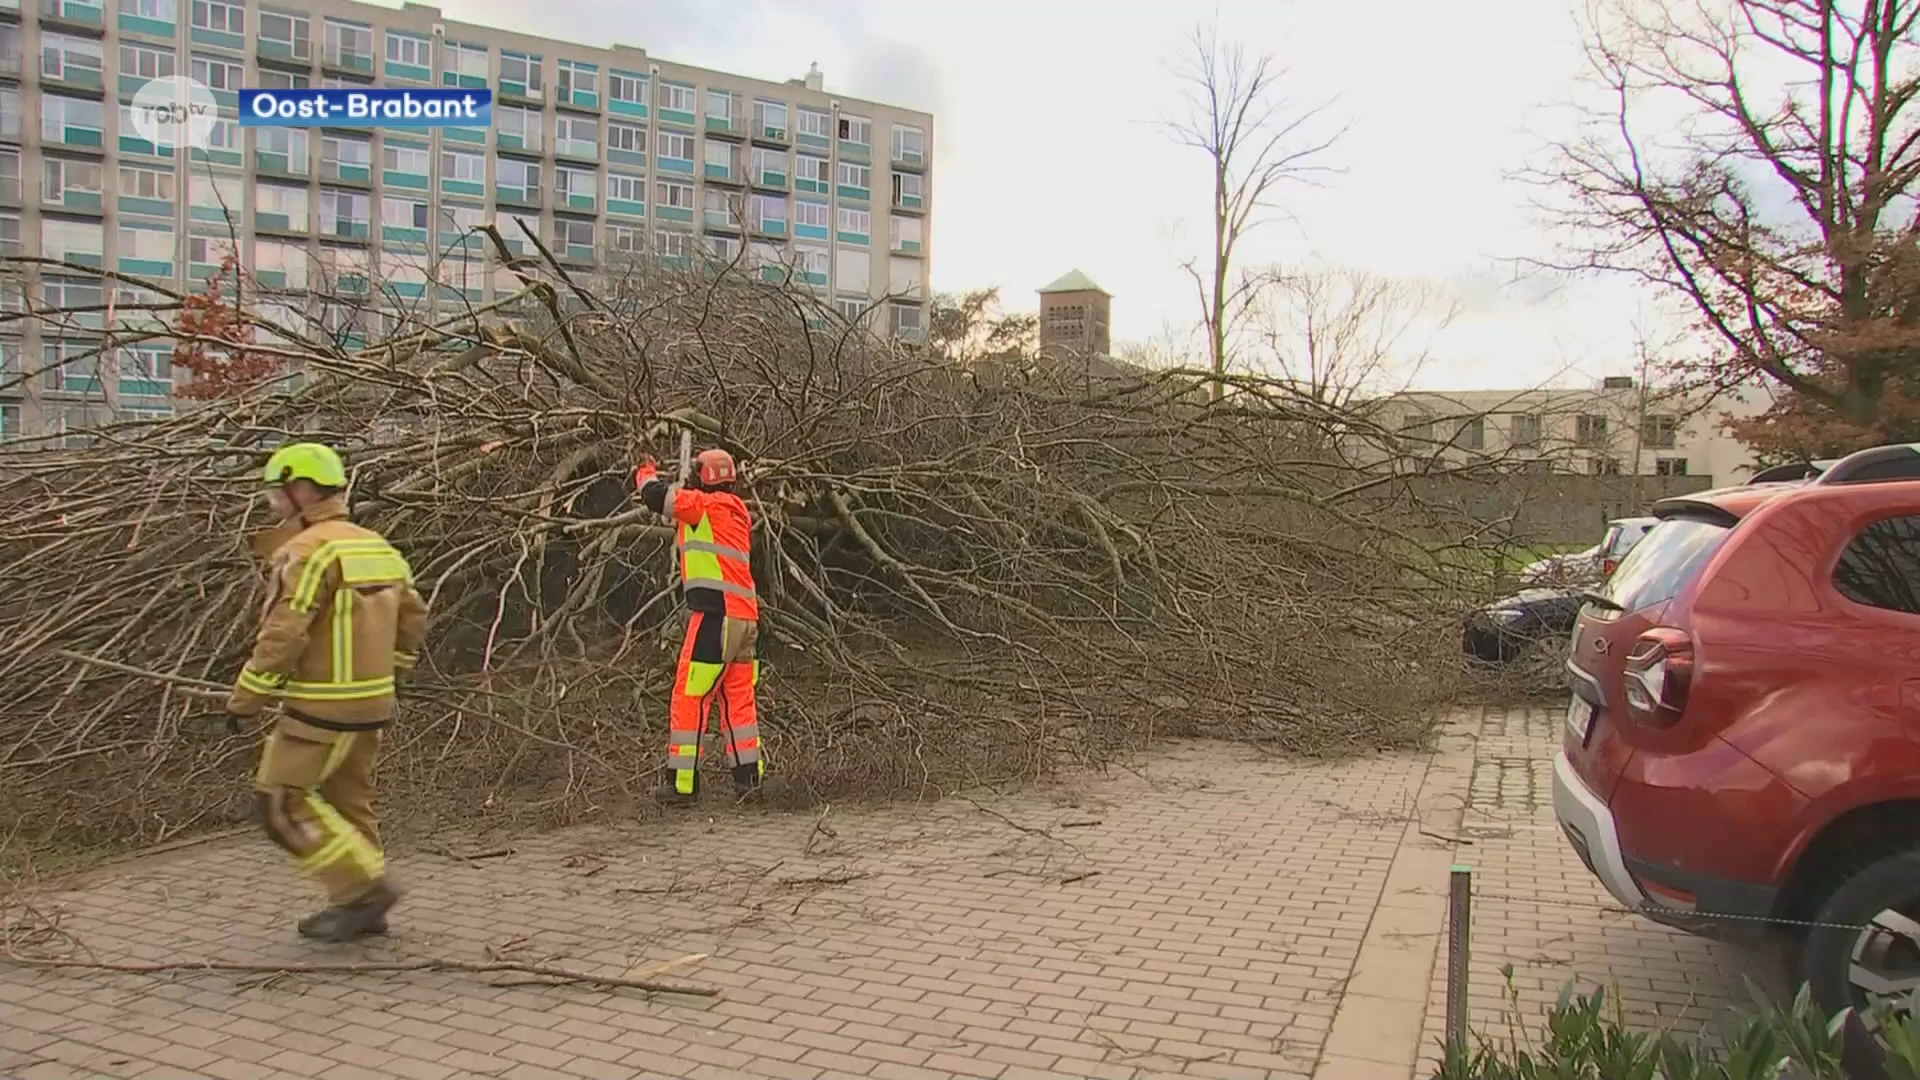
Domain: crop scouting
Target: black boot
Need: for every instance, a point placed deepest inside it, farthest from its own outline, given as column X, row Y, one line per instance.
column 342, row 923
column 668, row 794
column 747, row 778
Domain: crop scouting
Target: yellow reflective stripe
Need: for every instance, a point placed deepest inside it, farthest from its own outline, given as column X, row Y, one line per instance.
column 364, row 568
column 405, row 659
column 716, row 548
column 683, row 781
column 352, row 691
column 335, row 755
column 701, row 677
column 306, row 590
column 756, row 673
column 343, row 636
column 264, row 683
column 368, row 859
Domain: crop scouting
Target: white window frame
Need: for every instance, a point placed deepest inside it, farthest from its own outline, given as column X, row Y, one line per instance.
column 529, row 171
column 628, row 88
column 674, row 92
column 331, row 145
column 638, row 132
column 218, row 73
column 457, row 56
column 566, row 176
column 896, row 225
column 65, row 50
column 806, row 211
column 464, row 165
column 339, row 33
column 165, row 62
column 664, row 139
column 903, row 181
column 764, row 109
column 666, row 194
column 275, row 199
column 568, row 75
column 450, row 217
column 56, row 191
column 529, row 125
column 299, row 44
column 626, row 239
column 151, row 9
column 825, row 174
column 757, row 210
column 859, row 130
column 725, row 97
column 763, row 156
column 405, row 44
column 165, row 183
column 805, row 123
column 564, row 229
column 391, row 159
column 627, row 187
column 673, row 243
column 415, row 215
column 54, row 119
column 222, row 17
column 130, row 245
column 850, row 217
column 572, row 143
column 531, row 67
column 845, row 170
column 900, row 132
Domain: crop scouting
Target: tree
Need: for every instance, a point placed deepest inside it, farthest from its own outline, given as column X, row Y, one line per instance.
column 212, row 335
column 1338, row 335
column 1256, row 142
column 970, row 327
column 1755, row 161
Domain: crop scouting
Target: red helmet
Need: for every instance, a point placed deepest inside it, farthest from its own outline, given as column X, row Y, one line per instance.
column 716, row 467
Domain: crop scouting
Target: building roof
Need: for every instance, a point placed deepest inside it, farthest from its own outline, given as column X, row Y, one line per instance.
column 1075, row 281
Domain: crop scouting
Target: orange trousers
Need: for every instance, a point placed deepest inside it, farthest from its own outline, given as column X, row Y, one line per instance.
column 718, row 674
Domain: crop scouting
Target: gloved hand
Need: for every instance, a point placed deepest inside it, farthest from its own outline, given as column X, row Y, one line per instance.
column 645, row 472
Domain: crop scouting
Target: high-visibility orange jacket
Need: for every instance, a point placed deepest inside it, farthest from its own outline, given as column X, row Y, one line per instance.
column 715, row 541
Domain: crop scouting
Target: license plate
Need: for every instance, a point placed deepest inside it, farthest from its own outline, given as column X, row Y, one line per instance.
column 1579, row 719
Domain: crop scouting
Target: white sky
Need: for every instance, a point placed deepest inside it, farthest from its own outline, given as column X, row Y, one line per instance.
column 1048, row 156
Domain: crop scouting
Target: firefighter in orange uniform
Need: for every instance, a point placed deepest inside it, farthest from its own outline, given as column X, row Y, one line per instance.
column 714, row 536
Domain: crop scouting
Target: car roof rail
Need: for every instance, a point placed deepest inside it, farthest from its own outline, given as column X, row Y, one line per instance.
column 1900, row 461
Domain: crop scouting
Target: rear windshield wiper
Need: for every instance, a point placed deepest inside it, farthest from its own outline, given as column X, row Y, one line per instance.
column 1600, row 601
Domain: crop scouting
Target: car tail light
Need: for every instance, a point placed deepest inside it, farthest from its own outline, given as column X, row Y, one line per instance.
column 1658, row 674
column 1607, row 566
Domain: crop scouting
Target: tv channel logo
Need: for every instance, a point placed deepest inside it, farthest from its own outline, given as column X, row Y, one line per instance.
column 174, row 112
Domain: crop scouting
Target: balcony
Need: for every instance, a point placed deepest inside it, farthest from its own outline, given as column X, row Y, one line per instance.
column 347, row 171
column 911, row 158
column 346, row 58
column 298, row 51
column 725, row 171
column 76, row 13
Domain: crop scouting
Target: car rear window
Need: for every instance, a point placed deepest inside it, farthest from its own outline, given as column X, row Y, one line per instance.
column 1662, row 563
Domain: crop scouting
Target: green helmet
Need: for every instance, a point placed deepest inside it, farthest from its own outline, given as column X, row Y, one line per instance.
column 305, row 461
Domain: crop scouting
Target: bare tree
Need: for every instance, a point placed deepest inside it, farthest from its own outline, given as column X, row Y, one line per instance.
column 1337, row 335
column 1755, row 160
column 1257, row 140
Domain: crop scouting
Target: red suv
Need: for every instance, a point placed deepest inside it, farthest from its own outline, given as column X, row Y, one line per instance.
column 1742, row 751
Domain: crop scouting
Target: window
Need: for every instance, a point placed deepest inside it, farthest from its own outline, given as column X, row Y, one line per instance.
column 347, row 44
column 145, row 370
column 220, row 195
column 517, row 175
column 281, row 80
column 459, row 219
column 722, row 248
column 905, row 232
column 161, row 10
column 9, row 174
column 472, row 168
column 1590, row 430
column 815, row 123
column 627, row 239
column 576, row 78
column 523, row 69
column 139, row 63
column 904, row 276
column 1604, row 466
column 852, row 310
column 291, row 33
column 1662, row 431
column 908, row 321
column 854, row 176
column 72, row 366
column 813, row 262
column 576, row 136
column 720, row 105
column 403, row 212
column 852, row 271
column 154, row 245
column 146, row 183
column 290, row 261
column 61, row 178
column 9, row 419
column 909, row 143
column 1417, row 425
column 676, row 97
column 769, row 166
column 343, row 213
column 627, row 138
column 409, row 50
column 673, row 244
column 570, row 235
column 214, row 15
column 1473, row 434
column 9, row 112
column 907, row 188
column 568, row 183
column 339, row 150
column 810, row 213
column 857, row 130
column 224, row 136
column 678, row 196
column 1881, row 567
column 71, row 59
column 514, row 122
column 72, row 241
column 720, row 208
column 719, row 156
column 404, row 159
column 468, row 60
column 219, row 74
column 1670, row 466
column 810, row 173
column 278, row 207
column 676, row 146
column 770, row 119
column 855, row 221
column 631, row 89
column 627, row 188
column 1524, row 433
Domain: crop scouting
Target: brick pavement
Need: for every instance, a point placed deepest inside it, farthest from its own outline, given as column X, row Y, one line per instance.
column 1245, row 916
column 1538, row 909
column 1228, row 899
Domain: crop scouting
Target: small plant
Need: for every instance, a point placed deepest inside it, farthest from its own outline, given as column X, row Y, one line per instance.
column 1587, row 1038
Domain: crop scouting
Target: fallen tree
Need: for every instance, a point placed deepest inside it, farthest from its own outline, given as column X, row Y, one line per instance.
column 971, row 571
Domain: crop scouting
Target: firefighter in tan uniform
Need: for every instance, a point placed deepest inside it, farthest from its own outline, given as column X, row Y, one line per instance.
column 341, row 615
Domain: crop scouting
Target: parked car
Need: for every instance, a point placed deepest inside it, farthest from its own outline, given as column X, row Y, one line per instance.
column 1589, row 567
column 1531, row 627
column 1741, row 751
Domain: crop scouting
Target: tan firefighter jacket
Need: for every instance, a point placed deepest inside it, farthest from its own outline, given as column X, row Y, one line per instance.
column 340, row 616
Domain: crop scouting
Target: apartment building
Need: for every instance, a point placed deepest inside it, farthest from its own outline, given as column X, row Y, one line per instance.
column 610, row 154
column 1617, row 428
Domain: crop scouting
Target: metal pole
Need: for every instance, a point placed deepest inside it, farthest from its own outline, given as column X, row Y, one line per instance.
column 1459, row 920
